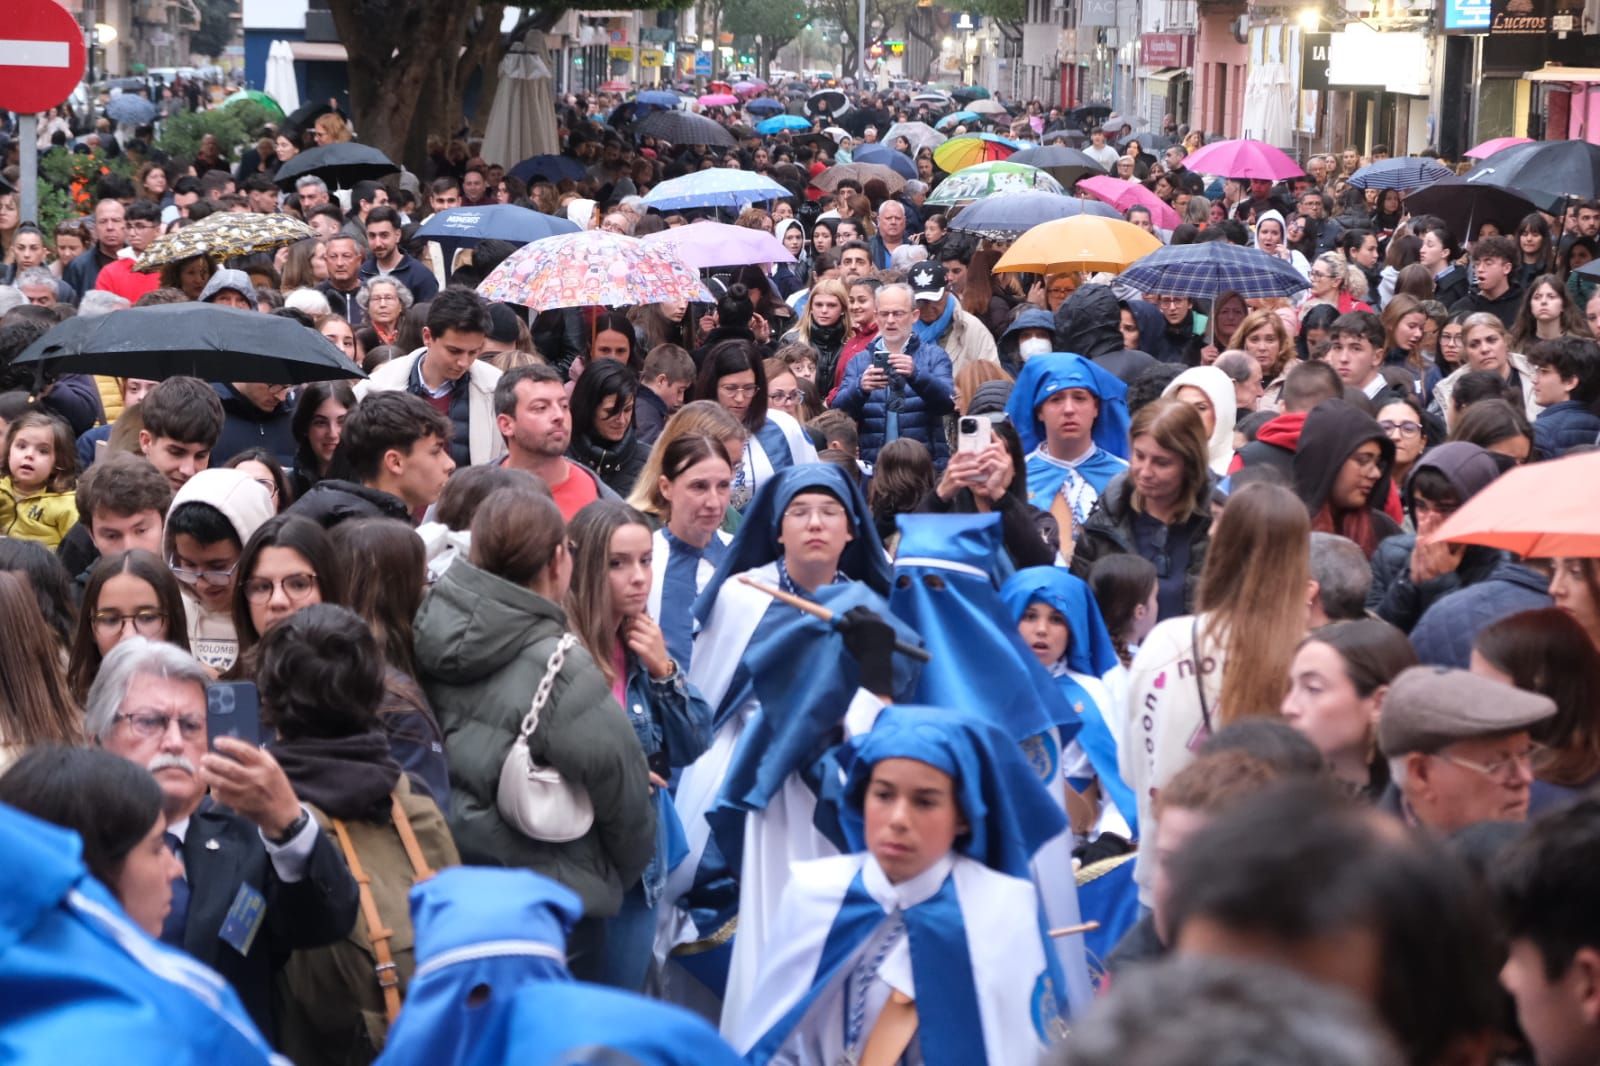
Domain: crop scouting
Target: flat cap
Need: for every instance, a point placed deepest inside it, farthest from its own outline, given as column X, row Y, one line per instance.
column 1430, row 707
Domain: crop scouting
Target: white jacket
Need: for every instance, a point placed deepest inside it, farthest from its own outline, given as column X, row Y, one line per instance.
column 484, row 443
column 1519, row 363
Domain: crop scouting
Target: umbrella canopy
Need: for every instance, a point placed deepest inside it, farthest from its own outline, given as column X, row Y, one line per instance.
column 919, row 135
column 1125, row 194
column 1066, row 165
column 957, row 118
column 829, row 179
column 970, row 92
column 884, row 156
column 280, row 83
column 717, row 187
column 458, row 226
column 1201, row 271
column 588, row 269
column 222, row 235
column 681, row 127
column 1071, row 138
column 1243, row 159
column 1084, row 242
column 716, row 244
column 1493, row 145
column 659, row 98
column 748, row 88
column 1147, row 140
column 986, row 179
column 1009, row 215
column 718, row 100
column 1089, row 115
column 1403, row 172
column 521, row 93
column 301, row 118
column 341, row 165
column 615, row 85
column 257, row 97
column 958, row 153
column 828, row 102
column 1557, row 169
column 549, row 168
column 1534, row 511
column 195, row 340
column 1465, row 205
column 986, row 106
column 131, row 110
column 780, row 123
column 765, row 105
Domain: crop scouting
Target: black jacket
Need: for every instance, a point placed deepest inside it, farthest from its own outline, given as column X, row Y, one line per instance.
column 1089, row 323
column 222, row 851
column 1109, row 529
column 331, row 501
column 617, row 464
column 246, row 426
column 1504, row 307
column 1451, row 287
column 650, row 415
column 1179, row 344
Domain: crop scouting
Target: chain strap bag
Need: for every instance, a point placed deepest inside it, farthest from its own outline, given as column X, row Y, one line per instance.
column 533, row 798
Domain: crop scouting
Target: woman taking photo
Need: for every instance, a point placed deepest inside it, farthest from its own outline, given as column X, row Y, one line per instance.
column 734, row 376
column 131, row 593
column 824, row 327
column 612, row 565
column 486, row 636
column 35, row 705
column 1337, row 682
column 1548, row 313
column 287, row 565
column 1160, row 508
column 602, row 425
column 386, row 300
column 318, row 426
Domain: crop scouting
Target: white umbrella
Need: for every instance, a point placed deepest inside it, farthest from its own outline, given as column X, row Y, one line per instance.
column 281, row 84
column 521, row 119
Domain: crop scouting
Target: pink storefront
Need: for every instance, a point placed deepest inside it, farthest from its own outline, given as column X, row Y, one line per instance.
column 1220, row 61
column 1571, row 102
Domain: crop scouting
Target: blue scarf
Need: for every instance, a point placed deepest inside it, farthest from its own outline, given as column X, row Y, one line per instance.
column 930, row 332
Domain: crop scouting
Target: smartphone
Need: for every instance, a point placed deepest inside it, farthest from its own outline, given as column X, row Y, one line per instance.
column 973, row 434
column 233, row 709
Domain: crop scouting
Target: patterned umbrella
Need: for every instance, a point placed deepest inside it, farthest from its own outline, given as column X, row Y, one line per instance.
column 829, row 179
column 1125, row 194
column 780, row 123
column 985, row 179
column 1009, row 215
column 223, row 235
column 592, row 268
column 1405, row 172
column 1201, row 271
column 920, row 135
column 959, row 153
column 681, row 127
column 717, row 187
column 714, row 244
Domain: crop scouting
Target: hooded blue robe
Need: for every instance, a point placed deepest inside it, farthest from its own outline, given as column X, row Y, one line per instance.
column 1083, row 481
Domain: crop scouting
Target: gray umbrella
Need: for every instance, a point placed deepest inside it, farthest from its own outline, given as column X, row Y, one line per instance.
column 683, row 127
column 131, row 109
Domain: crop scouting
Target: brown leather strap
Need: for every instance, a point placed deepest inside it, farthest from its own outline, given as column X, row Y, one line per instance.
column 892, row 1032
column 408, row 840
column 1062, row 511
column 377, row 932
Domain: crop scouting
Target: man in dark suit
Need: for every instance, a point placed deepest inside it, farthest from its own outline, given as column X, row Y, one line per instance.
column 260, row 880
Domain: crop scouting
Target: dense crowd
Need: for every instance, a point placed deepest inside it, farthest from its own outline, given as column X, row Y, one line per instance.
column 885, row 657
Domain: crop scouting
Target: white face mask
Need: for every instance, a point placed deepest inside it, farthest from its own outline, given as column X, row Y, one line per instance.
column 1029, row 347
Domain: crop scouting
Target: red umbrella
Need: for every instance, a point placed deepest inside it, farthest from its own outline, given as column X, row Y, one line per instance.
column 1125, row 194
column 1495, row 144
column 1243, row 159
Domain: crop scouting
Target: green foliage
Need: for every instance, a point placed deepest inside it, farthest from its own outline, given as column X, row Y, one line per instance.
column 67, row 181
column 776, row 21
column 1001, row 10
column 233, row 126
column 216, row 26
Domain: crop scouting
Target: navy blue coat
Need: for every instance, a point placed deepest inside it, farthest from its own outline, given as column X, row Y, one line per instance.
column 1562, row 426
column 1444, row 635
column 921, row 402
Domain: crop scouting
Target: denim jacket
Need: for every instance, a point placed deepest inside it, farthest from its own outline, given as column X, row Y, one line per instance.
column 667, row 715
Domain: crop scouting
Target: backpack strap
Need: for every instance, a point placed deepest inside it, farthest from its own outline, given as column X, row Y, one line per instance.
column 377, row 932
column 408, row 840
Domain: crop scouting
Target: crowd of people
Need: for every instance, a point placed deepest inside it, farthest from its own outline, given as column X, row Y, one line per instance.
column 886, row 659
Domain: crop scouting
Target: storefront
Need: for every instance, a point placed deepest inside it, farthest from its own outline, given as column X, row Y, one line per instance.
column 1221, row 56
column 1164, row 63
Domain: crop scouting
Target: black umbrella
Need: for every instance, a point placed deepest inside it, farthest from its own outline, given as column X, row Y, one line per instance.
column 683, row 127
column 1147, row 140
column 1064, row 164
column 1067, row 137
column 301, row 118
column 1465, row 205
column 341, row 165
column 197, row 340
column 1089, row 115
column 828, row 103
column 1547, row 170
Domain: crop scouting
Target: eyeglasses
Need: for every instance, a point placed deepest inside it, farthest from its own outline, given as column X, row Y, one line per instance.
column 214, row 578
column 145, row 623
column 1405, row 429
column 270, row 485
column 892, row 313
column 295, row 586
column 783, row 396
column 150, row 725
column 1452, row 339
column 1500, row 769
column 1171, row 301
column 737, row 390
column 826, row 512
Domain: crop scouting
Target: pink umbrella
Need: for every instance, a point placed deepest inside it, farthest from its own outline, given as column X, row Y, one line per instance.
column 1495, row 144
column 1125, row 194
column 1243, row 159
column 749, row 88
column 715, row 244
column 718, row 100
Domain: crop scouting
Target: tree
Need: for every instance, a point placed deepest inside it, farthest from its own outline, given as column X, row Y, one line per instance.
column 216, row 26
column 776, row 22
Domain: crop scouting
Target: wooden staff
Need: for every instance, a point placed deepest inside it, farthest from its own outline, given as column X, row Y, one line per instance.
column 1074, row 930
column 816, row 610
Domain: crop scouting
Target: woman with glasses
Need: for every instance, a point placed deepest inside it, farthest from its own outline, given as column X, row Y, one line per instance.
column 35, row 704
column 1330, row 284
column 288, row 564
column 127, row 594
column 1403, row 422
column 602, row 425
column 734, row 375
column 263, row 466
column 386, row 301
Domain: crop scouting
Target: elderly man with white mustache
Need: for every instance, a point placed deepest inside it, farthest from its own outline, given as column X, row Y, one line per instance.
column 260, row 880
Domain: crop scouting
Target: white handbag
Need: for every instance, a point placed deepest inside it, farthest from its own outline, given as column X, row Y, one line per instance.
column 535, row 799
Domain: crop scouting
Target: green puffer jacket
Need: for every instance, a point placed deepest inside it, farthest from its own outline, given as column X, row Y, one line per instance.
column 482, row 644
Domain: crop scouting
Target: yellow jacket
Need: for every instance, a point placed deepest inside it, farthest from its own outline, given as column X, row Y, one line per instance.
column 45, row 516
column 110, row 397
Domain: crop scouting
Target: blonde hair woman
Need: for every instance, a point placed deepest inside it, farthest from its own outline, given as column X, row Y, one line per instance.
column 704, row 418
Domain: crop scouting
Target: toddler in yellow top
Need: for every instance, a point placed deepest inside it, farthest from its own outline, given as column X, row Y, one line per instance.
column 37, row 495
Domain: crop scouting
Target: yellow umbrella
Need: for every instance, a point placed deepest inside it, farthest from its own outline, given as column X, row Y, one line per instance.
column 1081, row 242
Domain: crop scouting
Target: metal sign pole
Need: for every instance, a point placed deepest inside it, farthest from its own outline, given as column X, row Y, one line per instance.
column 27, row 142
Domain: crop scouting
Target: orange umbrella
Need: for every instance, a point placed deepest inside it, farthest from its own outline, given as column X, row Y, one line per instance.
column 1542, row 510
column 1079, row 242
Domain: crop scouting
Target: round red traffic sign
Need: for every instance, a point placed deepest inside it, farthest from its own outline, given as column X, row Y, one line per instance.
column 41, row 54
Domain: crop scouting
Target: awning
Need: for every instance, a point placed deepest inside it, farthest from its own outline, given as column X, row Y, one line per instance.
column 1550, row 72
column 1166, row 74
column 319, row 51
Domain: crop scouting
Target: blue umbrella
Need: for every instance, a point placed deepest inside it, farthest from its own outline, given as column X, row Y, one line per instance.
column 883, row 155
column 1201, row 271
column 549, row 168
column 718, row 187
column 1405, row 172
column 780, row 123
column 504, row 222
column 956, row 118
column 764, row 105
column 1006, row 216
column 130, row 109
column 659, row 98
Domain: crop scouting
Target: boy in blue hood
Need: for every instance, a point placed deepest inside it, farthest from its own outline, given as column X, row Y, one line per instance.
column 1072, row 417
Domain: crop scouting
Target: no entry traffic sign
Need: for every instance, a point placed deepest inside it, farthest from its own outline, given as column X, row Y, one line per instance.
column 41, row 54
